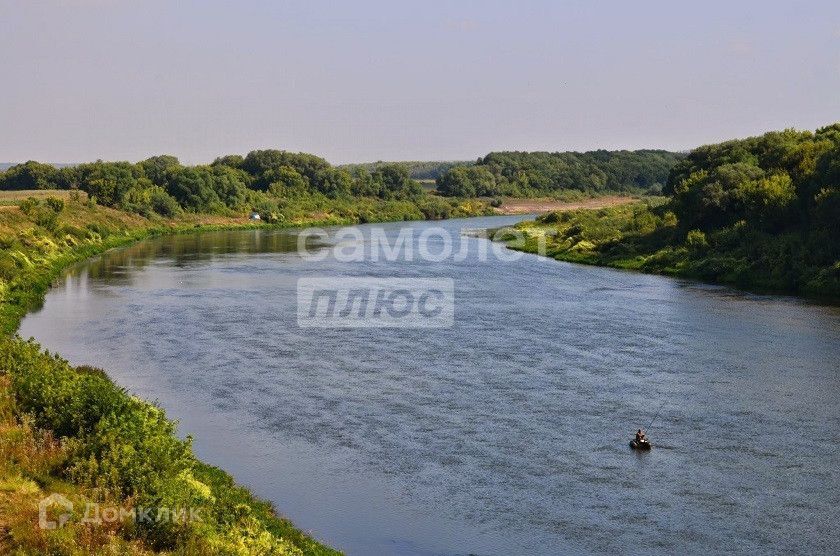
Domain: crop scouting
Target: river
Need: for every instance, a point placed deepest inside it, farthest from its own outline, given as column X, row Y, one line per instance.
column 505, row 433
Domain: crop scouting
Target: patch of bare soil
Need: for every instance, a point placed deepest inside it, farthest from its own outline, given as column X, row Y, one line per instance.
column 512, row 205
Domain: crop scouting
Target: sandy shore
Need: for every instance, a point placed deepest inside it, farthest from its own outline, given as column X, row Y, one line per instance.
column 527, row 206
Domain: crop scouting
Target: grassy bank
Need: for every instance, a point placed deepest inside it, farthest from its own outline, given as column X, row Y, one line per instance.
column 645, row 236
column 760, row 213
column 72, row 431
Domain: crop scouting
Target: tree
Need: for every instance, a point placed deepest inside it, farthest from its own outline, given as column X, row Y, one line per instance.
column 155, row 168
column 208, row 188
column 108, row 182
column 541, row 173
column 260, row 163
column 29, row 175
column 393, row 182
column 468, row 181
column 232, row 160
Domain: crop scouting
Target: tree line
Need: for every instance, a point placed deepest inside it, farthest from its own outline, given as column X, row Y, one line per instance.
column 761, row 212
column 417, row 169
column 530, row 174
column 234, row 183
column 770, row 204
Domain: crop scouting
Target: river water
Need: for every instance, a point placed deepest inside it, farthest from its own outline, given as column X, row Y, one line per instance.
column 506, row 433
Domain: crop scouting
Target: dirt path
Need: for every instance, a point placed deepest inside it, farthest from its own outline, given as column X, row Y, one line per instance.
column 512, row 205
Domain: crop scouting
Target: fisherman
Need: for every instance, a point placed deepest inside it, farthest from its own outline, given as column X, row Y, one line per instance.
column 640, row 436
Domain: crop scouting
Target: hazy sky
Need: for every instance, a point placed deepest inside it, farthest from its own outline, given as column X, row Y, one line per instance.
column 391, row 80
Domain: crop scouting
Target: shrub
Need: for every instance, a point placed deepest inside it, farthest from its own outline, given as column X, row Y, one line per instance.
column 8, row 266
column 54, row 203
column 696, row 240
column 163, row 203
column 43, row 213
column 127, row 450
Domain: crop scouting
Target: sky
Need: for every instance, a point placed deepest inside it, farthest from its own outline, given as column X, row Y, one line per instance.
column 394, row 80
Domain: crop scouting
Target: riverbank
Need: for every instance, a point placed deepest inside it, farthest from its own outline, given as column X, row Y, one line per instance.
column 72, row 431
column 521, row 205
column 645, row 236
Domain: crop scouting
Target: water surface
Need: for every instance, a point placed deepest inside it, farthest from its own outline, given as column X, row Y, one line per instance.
column 506, row 433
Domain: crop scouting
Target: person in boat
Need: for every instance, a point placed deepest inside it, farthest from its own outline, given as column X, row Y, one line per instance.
column 640, row 436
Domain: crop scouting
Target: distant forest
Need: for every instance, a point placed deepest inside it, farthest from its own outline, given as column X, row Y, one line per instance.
column 530, row 174
column 761, row 212
column 417, row 169
column 263, row 179
column 6, row 165
column 259, row 181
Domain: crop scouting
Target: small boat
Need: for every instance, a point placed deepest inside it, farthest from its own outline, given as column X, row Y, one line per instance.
column 640, row 444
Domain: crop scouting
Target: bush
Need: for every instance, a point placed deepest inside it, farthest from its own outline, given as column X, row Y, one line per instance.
column 163, row 203
column 8, row 266
column 54, row 203
column 43, row 213
column 127, row 450
column 29, row 175
column 435, row 208
column 696, row 240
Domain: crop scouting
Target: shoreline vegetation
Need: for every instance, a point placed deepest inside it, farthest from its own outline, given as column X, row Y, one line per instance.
column 538, row 205
column 74, row 432
column 761, row 214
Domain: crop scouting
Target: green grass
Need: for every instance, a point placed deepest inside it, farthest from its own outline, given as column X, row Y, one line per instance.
column 646, row 237
column 13, row 198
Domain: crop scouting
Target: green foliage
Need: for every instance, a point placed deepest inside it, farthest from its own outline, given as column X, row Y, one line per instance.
column 208, row 188
column 262, row 165
column 29, row 175
column 155, row 168
column 43, row 212
column 124, row 449
column 160, row 185
column 288, row 181
column 436, row 208
column 149, row 200
column 392, row 181
column 542, row 173
column 108, row 182
column 696, row 240
column 8, row 266
column 162, row 203
column 417, row 170
column 54, row 204
column 760, row 213
column 469, row 181
column 770, row 202
column 232, row 160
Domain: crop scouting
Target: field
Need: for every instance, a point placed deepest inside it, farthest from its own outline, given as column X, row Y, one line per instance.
column 511, row 205
column 12, row 198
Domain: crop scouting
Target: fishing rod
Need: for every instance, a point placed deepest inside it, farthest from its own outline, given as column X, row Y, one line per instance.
column 657, row 413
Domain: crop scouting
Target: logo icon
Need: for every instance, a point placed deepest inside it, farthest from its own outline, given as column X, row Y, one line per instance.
column 347, row 302
column 54, row 499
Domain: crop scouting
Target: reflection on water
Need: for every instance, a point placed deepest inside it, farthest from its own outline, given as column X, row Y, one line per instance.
column 506, row 433
column 181, row 250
